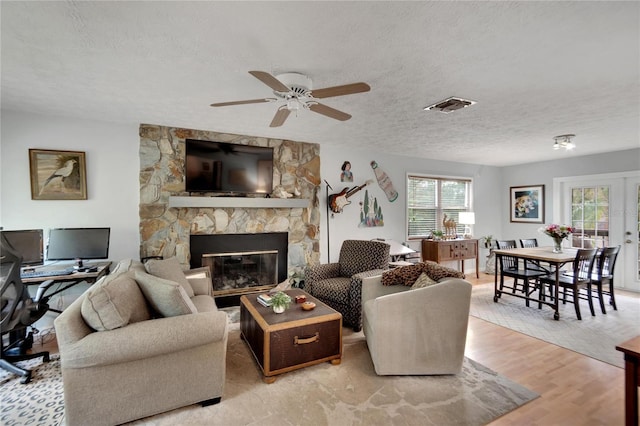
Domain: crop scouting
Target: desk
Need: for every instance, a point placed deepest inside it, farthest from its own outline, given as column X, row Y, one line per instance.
column 542, row 254
column 631, row 350
column 449, row 250
column 69, row 280
column 397, row 251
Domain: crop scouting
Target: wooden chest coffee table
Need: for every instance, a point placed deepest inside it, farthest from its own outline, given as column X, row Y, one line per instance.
column 293, row 339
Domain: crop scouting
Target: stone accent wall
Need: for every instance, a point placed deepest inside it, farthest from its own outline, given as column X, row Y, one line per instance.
column 165, row 231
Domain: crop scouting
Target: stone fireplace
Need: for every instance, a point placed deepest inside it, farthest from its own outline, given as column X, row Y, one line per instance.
column 167, row 228
column 242, row 263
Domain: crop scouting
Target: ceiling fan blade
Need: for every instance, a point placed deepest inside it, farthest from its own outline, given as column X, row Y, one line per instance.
column 251, row 101
column 280, row 117
column 270, row 81
column 329, row 112
column 347, row 89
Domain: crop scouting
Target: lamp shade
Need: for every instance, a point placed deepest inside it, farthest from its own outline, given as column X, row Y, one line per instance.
column 467, row 218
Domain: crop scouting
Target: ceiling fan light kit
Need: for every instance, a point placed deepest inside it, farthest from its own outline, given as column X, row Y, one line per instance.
column 297, row 91
column 564, row 141
column 450, row 105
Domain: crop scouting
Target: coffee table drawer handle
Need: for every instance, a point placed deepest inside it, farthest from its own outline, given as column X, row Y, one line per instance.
column 304, row 340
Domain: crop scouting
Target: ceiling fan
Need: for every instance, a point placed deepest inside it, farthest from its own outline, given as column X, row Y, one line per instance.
column 296, row 90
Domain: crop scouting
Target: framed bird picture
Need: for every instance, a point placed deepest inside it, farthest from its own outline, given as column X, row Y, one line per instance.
column 57, row 175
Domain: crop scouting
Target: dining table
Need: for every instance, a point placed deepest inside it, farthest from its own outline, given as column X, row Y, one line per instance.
column 541, row 255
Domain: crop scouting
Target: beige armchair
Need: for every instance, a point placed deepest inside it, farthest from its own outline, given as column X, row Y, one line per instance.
column 146, row 364
column 416, row 331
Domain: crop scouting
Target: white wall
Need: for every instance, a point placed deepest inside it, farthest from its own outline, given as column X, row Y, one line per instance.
column 113, row 165
column 344, row 225
column 113, row 190
column 542, row 173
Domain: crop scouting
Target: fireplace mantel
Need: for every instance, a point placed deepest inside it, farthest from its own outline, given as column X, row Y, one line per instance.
column 241, row 202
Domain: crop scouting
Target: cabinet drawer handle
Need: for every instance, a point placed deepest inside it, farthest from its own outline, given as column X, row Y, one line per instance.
column 304, row 340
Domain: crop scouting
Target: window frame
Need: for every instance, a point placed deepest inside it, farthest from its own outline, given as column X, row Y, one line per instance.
column 439, row 210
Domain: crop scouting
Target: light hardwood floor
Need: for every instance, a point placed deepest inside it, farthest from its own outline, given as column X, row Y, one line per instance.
column 574, row 389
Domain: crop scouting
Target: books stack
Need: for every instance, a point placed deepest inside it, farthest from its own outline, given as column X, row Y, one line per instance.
column 264, row 300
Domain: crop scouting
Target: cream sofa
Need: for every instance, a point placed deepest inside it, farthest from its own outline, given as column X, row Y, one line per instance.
column 142, row 364
column 416, row 331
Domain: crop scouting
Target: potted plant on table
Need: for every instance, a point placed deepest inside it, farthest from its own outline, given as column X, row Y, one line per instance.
column 558, row 233
column 280, row 301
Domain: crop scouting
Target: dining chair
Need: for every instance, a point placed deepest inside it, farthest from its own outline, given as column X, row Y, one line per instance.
column 575, row 279
column 510, row 267
column 604, row 267
column 534, row 264
column 528, row 242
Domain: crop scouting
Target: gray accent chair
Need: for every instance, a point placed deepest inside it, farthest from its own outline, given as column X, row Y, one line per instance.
column 339, row 285
column 416, row 331
column 146, row 367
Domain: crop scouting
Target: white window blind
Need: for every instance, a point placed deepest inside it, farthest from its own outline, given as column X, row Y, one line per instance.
column 429, row 199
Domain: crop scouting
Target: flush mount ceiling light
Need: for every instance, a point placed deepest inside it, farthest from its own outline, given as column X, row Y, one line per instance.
column 563, row 141
column 449, row 105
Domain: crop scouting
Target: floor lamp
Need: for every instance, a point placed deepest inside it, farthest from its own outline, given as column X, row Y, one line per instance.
column 328, row 187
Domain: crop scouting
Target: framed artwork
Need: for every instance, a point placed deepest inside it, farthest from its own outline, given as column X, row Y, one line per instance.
column 57, row 175
column 527, row 204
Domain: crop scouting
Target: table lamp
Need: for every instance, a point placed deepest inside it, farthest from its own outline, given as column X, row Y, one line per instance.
column 466, row 219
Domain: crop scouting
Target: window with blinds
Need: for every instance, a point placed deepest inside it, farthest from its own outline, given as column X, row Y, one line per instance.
column 429, row 199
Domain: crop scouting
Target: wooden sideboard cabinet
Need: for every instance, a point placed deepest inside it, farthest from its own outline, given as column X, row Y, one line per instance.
column 451, row 250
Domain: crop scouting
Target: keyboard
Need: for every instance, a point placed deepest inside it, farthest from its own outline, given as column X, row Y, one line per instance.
column 47, row 273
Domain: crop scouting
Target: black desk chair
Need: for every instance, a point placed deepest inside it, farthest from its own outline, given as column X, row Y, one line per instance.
column 18, row 313
column 510, row 267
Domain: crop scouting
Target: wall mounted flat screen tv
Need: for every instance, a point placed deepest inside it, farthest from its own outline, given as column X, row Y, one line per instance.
column 28, row 243
column 228, row 168
column 78, row 243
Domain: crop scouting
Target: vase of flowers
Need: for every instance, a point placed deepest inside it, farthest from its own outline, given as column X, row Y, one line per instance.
column 558, row 233
column 280, row 302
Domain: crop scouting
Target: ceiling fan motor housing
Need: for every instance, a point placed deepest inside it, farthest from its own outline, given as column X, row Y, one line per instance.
column 299, row 84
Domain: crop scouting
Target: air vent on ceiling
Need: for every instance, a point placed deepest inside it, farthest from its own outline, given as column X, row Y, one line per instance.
column 449, row 105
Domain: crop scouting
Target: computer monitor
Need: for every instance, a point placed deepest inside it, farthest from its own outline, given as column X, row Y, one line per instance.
column 28, row 243
column 78, row 243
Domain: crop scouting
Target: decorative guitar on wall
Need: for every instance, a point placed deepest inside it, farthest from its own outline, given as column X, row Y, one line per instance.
column 337, row 201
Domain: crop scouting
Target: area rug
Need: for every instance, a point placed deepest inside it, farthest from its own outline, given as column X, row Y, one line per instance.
column 346, row 394
column 38, row 402
column 593, row 336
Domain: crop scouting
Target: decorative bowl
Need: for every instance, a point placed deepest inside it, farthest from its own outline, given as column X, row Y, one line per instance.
column 307, row 306
column 301, row 298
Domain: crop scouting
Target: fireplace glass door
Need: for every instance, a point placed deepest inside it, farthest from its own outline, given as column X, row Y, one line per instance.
column 242, row 272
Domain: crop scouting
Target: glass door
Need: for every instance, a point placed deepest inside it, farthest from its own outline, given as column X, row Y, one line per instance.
column 631, row 244
column 590, row 216
column 604, row 211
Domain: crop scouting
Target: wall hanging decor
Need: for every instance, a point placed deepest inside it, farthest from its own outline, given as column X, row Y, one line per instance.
column 526, row 204
column 384, row 182
column 336, row 202
column 57, row 175
column 370, row 212
column 347, row 174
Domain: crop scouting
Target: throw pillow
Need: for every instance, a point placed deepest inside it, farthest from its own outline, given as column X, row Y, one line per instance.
column 405, row 275
column 114, row 304
column 169, row 269
column 438, row 272
column 167, row 298
column 423, row 281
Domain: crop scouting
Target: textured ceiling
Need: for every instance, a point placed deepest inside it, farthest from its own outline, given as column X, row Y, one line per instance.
column 536, row 69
